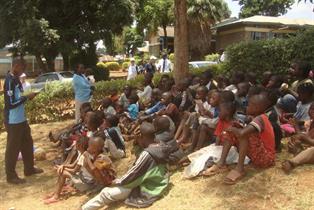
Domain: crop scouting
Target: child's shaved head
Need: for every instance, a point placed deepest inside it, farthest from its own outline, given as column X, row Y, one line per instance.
column 97, row 141
column 161, row 124
column 257, row 104
column 147, row 135
column 95, row 145
column 147, row 128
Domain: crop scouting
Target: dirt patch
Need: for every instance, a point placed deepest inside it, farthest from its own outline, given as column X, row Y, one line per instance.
column 261, row 189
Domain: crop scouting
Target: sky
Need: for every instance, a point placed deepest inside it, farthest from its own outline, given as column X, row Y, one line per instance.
column 298, row 10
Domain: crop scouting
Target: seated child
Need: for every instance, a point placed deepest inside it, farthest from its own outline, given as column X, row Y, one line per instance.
column 79, row 128
column 202, row 135
column 124, row 98
column 114, row 96
column 114, row 142
column 144, row 182
column 146, row 94
column 305, row 92
column 93, row 122
column 165, row 107
column 81, row 175
column 227, row 119
column 164, row 129
column 273, row 116
column 256, row 140
column 195, row 83
column 184, row 99
column 296, row 143
column 241, row 96
column 202, row 109
column 295, row 146
column 155, row 98
column 133, row 109
column 106, row 106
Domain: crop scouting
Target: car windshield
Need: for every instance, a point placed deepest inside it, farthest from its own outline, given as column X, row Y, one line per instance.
column 66, row 74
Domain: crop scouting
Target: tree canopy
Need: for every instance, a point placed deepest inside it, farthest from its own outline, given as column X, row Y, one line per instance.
column 264, row 7
column 70, row 27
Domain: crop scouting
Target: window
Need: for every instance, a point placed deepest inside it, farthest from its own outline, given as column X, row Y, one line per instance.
column 66, row 74
column 256, row 35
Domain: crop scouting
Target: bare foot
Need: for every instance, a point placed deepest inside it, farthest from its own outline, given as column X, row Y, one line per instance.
column 287, row 166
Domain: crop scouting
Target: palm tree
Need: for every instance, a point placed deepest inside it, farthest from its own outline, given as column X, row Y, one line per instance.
column 202, row 14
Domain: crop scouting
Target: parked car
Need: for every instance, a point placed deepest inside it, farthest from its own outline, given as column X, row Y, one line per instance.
column 43, row 79
column 201, row 64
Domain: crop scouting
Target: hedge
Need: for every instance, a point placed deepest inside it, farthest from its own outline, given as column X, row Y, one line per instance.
column 212, row 57
column 112, row 66
column 125, row 65
column 273, row 55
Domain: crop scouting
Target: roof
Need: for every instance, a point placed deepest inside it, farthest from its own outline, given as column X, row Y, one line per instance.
column 266, row 20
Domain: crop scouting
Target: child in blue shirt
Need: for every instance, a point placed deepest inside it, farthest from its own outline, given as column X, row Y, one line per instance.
column 133, row 107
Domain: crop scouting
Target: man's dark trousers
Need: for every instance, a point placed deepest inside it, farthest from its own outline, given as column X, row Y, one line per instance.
column 19, row 139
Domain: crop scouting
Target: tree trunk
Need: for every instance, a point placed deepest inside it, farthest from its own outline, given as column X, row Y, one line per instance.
column 181, row 41
column 51, row 65
column 50, row 60
column 165, row 38
column 41, row 65
column 199, row 40
column 66, row 61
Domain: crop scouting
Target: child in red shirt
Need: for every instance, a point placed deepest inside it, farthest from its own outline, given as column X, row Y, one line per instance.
column 256, row 140
column 226, row 120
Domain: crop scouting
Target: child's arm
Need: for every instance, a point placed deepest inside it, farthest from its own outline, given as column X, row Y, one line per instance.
column 242, row 133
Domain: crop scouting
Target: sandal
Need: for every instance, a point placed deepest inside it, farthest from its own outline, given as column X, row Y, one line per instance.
column 233, row 177
column 215, row 169
column 287, row 166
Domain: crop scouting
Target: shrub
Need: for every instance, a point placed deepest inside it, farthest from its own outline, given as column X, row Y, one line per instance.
column 212, row 57
column 112, row 66
column 101, row 73
column 271, row 55
column 303, row 46
column 171, row 57
column 125, row 65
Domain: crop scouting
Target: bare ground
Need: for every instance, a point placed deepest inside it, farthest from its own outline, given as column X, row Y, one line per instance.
column 268, row 189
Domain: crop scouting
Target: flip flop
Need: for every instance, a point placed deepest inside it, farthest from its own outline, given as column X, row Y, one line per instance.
column 233, row 177
column 51, row 200
column 215, row 169
column 287, row 166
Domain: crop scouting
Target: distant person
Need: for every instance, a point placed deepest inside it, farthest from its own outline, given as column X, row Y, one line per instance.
column 132, row 70
column 19, row 138
column 26, row 85
column 82, row 89
column 150, row 67
column 164, row 64
column 222, row 56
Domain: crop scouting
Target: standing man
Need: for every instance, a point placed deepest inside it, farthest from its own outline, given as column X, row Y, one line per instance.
column 164, row 64
column 82, row 90
column 132, row 70
column 19, row 137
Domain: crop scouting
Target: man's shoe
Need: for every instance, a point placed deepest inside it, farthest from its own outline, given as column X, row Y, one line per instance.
column 34, row 171
column 16, row 180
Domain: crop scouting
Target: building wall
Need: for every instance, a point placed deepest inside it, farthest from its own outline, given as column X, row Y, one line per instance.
column 223, row 40
column 236, row 34
column 32, row 68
